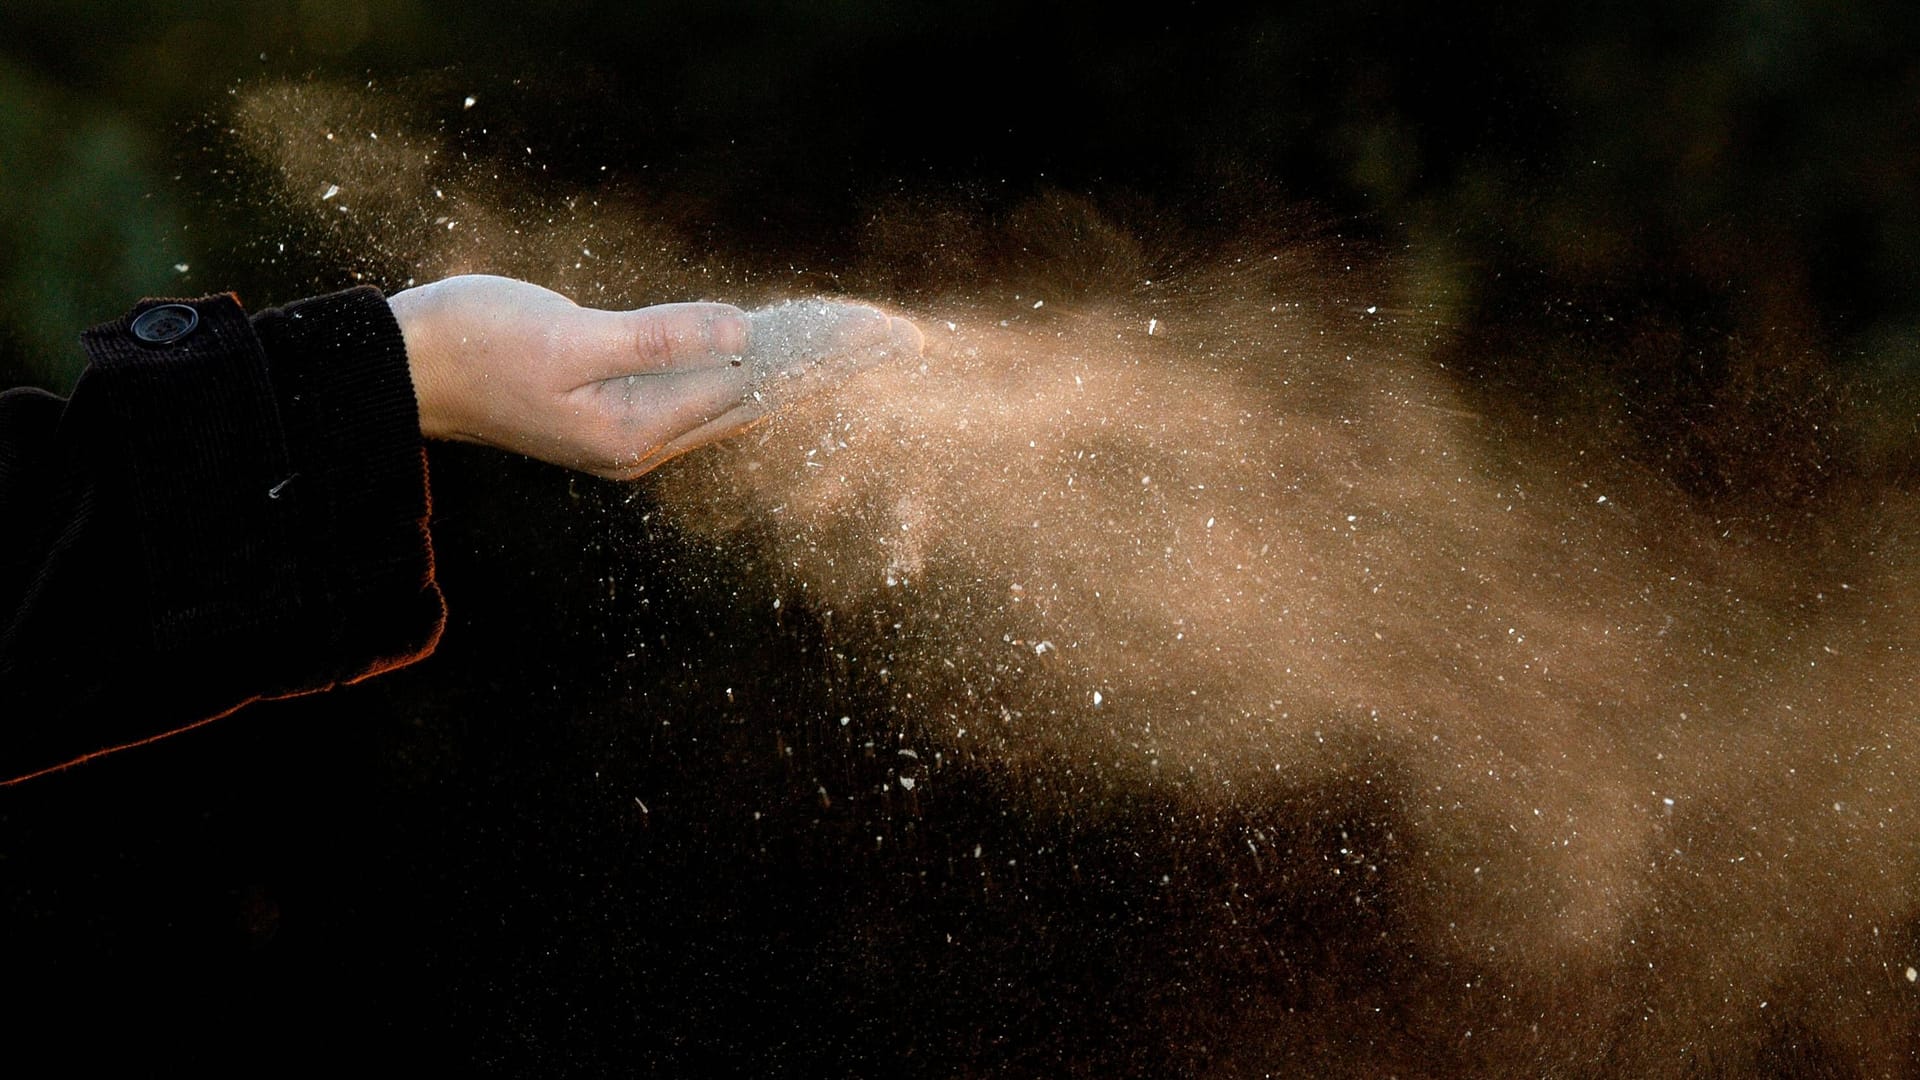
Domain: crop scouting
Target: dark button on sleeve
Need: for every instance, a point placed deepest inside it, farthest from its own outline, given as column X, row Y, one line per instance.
column 166, row 323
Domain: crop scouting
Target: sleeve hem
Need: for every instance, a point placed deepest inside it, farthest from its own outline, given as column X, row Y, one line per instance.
column 357, row 475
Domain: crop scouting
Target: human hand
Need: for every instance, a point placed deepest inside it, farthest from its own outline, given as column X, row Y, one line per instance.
column 511, row 365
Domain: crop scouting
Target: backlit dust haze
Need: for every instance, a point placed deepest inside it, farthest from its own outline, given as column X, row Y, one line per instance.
column 1222, row 525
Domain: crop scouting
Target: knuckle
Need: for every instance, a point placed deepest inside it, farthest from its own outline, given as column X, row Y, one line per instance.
column 652, row 335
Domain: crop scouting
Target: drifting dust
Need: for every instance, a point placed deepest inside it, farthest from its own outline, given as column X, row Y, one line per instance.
column 1223, row 527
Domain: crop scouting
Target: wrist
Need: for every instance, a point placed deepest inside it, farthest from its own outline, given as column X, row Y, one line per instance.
column 418, row 314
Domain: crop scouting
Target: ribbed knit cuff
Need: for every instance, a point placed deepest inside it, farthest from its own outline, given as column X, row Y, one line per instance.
column 357, row 476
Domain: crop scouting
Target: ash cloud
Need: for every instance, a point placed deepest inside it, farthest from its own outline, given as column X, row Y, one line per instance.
column 1216, row 524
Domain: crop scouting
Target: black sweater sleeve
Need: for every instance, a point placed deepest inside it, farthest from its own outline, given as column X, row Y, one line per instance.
column 233, row 515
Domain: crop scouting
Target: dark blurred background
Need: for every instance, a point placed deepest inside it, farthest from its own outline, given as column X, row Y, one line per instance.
column 1684, row 192
column 1686, row 208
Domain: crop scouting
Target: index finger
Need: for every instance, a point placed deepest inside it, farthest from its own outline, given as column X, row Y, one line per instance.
column 655, row 340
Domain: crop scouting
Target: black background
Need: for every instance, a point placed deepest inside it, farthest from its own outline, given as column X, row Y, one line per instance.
column 452, row 864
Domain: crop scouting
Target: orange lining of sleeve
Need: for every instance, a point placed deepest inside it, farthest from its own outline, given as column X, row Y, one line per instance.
column 380, row 667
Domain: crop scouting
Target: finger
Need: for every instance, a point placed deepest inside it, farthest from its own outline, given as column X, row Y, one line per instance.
column 905, row 337
column 902, row 338
column 601, row 345
column 804, row 346
column 794, row 349
column 791, row 337
column 626, row 419
column 720, row 427
column 726, row 425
